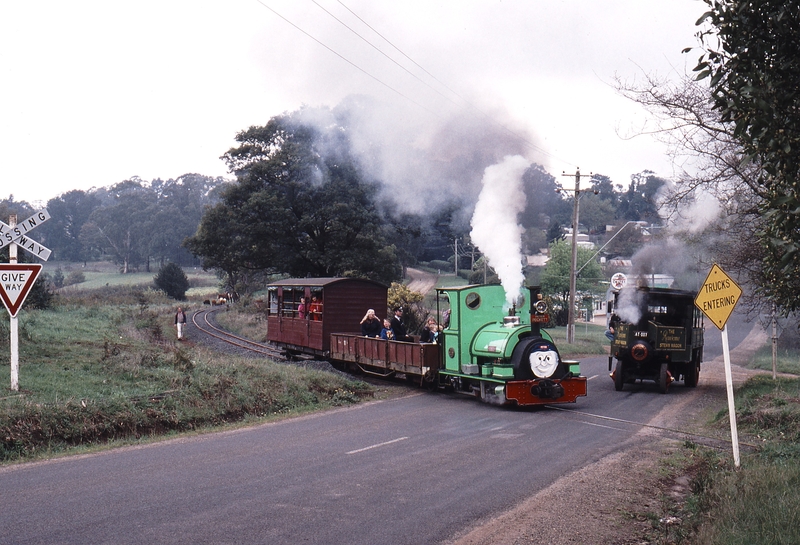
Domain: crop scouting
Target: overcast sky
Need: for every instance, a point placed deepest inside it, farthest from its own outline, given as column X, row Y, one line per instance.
column 95, row 92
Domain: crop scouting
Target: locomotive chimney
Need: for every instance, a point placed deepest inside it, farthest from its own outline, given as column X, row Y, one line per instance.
column 512, row 319
column 536, row 296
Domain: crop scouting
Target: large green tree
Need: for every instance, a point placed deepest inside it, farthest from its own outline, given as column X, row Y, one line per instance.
column 300, row 206
column 120, row 229
column 68, row 213
column 640, row 201
column 596, row 213
column 544, row 204
column 751, row 56
column 176, row 212
column 555, row 276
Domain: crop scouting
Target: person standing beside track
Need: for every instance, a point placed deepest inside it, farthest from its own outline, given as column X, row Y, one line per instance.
column 180, row 321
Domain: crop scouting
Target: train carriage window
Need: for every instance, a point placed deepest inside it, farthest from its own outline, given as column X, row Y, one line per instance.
column 472, row 300
column 316, row 305
column 291, row 301
column 273, row 301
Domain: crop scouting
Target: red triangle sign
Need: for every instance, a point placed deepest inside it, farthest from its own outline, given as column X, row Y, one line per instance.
column 15, row 283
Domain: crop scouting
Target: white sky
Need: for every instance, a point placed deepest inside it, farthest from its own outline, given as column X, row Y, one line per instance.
column 95, row 92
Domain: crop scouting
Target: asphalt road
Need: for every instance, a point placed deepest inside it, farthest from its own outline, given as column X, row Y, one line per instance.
column 417, row 469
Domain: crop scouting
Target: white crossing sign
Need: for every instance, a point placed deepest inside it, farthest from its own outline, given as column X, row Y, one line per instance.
column 15, row 283
column 33, row 247
column 18, row 235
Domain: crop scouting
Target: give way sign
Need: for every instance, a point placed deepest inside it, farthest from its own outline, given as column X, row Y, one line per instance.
column 16, row 281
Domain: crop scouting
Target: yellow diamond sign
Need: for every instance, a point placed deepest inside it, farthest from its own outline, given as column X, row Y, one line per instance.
column 717, row 296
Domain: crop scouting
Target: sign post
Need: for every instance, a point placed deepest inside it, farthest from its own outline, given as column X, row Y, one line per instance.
column 16, row 279
column 717, row 297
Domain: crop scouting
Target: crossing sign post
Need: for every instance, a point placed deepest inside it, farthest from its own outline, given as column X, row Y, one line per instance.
column 16, row 279
column 717, row 298
column 16, row 234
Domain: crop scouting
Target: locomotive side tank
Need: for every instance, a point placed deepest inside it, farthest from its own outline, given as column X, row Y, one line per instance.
column 658, row 336
column 500, row 354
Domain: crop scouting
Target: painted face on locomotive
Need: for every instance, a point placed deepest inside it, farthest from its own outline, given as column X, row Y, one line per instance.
column 544, row 361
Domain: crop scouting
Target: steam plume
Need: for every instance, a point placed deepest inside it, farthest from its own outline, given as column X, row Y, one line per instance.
column 629, row 305
column 495, row 229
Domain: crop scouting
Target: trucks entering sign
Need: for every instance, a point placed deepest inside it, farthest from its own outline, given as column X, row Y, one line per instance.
column 718, row 296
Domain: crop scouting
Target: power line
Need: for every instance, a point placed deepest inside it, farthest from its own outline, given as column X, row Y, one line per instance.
column 466, row 102
column 398, row 92
column 376, row 48
column 348, row 61
column 384, row 38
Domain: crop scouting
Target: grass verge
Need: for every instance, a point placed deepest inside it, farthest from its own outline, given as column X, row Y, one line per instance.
column 589, row 339
column 787, row 360
column 102, row 367
column 755, row 504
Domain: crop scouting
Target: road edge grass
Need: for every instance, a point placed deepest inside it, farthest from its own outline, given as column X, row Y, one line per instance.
column 756, row 503
column 104, row 368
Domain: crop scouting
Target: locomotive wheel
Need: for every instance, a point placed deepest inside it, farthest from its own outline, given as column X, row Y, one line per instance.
column 664, row 378
column 618, row 382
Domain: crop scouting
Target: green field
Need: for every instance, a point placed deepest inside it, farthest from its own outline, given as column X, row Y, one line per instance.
column 103, row 367
column 102, row 275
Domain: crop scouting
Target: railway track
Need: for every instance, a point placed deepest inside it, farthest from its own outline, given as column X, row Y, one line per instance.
column 203, row 321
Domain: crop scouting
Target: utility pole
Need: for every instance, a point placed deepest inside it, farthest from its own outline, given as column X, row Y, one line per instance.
column 774, row 343
column 13, row 324
column 573, row 275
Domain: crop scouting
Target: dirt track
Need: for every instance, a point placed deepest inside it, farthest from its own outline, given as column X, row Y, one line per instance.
column 421, row 281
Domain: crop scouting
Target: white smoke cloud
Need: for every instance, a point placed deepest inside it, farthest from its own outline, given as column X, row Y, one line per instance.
column 495, row 229
column 692, row 213
column 629, row 305
column 424, row 161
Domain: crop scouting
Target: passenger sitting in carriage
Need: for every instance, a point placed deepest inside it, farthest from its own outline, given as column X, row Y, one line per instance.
column 370, row 325
column 429, row 333
column 386, row 332
column 315, row 309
